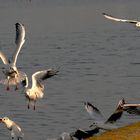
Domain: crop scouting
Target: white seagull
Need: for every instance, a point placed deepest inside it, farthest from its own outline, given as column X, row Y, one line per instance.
column 37, row 89
column 13, row 75
column 13, row 127
column 98, row 118
column 137, row 23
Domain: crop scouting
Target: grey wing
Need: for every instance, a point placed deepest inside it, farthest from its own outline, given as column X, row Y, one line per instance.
column 94, row 112
column 117, row 113
column 16, row 132
column 20, row 33
column 19, row 40
column 39, row 76
column 49, row 73
column 132, row 108
column 4, row 58
column 118, row 19
column 115, row 116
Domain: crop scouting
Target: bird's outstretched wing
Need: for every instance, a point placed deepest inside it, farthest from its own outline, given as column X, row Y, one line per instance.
column 39, row 76
column 132, row 108
column 94, row 112
column 4, row 58
column 19, row 40
column 119, row 19
column 117, row 113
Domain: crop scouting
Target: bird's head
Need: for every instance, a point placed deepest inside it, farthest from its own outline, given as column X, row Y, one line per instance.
column 138, row 24
column 6, row 121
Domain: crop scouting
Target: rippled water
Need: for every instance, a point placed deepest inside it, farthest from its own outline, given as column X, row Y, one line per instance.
column 99, row 62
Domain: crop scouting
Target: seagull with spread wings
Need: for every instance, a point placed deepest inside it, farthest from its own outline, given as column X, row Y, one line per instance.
column 131, row 108
column 16, row 131
column 37, row 89
column 13, row 75
column 137, row 23
column 98, row 118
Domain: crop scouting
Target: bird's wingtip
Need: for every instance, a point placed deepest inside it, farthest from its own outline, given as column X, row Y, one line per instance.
column 103, row 13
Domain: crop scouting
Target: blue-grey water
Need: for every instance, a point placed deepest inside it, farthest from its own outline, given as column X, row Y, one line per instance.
column 98, row 59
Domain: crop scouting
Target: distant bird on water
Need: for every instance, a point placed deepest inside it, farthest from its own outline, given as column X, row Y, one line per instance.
column 99, row 121
column 13, row 127
column 37, row 89
column 137, row 23
column 13, row 75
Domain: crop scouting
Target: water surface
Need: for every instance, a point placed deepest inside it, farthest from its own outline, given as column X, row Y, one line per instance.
column 99, row 62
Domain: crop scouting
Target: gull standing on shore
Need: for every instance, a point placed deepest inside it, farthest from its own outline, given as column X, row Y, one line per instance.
column 37, row 89
column 13, row 75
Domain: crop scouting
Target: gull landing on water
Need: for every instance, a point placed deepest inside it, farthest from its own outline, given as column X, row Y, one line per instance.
column 37, row 90
column 13, row 75
column 99, row 120
column 13, row 127
column 137, row 23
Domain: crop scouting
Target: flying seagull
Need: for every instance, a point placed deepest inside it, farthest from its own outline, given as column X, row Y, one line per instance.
column 37, row 89
column 13, row 127
column 131, row 108
column 137, row 23
column 13, row 75
column 98, row 118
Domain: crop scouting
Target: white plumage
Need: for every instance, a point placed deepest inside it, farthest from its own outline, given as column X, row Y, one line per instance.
column 13, row 75
column 137, row 23
column 37, row 89
column 13, row 127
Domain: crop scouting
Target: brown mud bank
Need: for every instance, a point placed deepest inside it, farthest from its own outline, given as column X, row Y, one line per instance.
column 130, row 132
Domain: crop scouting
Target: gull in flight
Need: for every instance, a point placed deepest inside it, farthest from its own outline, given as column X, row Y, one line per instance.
column 13, row 75
column 13, row 127
column 137, row 23
column 98, row 118
column 130, row 108
column 37, row 89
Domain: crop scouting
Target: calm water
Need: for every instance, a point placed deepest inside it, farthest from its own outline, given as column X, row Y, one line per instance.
column 99, row 62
